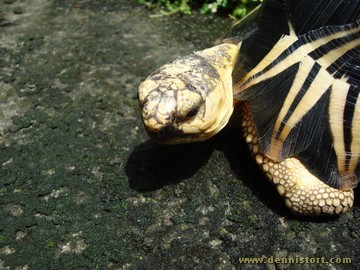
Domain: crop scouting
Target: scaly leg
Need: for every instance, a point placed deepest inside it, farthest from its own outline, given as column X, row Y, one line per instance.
column 304, row 193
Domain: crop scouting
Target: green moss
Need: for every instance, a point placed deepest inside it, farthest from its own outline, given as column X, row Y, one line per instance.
column 170, row 6
column 252, row 218
column 296, row 225
column 50, row 243
column 18, row 10
column 235, row 8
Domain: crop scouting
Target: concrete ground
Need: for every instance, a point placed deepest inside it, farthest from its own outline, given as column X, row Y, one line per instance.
column 82, row 186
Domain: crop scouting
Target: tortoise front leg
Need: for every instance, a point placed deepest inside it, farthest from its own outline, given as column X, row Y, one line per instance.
column 304, row 193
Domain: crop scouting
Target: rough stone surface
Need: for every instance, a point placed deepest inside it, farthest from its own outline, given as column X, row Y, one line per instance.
column 82, row 187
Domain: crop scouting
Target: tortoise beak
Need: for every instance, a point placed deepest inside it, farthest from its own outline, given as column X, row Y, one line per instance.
column 167, row 134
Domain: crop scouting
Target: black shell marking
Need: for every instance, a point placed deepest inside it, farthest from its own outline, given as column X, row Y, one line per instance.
column 299, row 69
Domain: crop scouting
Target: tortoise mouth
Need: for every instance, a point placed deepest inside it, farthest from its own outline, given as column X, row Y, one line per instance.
column 167, row 134
column 172, row 135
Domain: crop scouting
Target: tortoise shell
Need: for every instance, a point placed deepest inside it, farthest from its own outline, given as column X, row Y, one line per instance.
column 298, row 67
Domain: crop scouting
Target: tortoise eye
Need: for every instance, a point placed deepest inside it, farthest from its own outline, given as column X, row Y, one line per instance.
column 192, row 112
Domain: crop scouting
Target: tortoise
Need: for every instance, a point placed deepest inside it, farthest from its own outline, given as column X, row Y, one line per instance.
column 290, row 71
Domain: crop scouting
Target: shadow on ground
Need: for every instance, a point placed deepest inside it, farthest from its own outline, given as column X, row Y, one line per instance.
column 152, row 165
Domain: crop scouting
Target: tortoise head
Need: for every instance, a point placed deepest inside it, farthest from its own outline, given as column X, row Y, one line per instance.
column 191, row 98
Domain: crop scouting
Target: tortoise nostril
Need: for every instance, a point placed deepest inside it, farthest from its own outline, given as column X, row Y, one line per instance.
column 171, row 117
